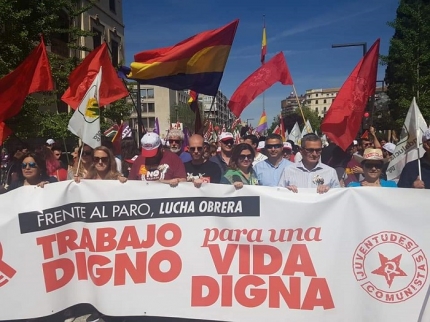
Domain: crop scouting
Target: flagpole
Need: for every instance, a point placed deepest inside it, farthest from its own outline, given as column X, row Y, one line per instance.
column 300, row 105
column 262, row 62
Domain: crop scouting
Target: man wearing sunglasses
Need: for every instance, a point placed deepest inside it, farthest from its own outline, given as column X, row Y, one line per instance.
column 309, row 172
column 226, row 143
column 175, row 138
column 269, row 171
column 199, row 169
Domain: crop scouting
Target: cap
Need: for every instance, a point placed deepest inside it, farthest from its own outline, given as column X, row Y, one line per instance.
column 225, row 136
column 150, row 143
column 50, row 141
column 390, row 147
column 426, row 135
column 287, row 146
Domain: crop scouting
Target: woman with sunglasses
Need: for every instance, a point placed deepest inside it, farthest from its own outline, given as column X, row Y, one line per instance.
column 82, row 165
column 103, row 166
column 372, row 162
column 33, row 172
column 240, row 170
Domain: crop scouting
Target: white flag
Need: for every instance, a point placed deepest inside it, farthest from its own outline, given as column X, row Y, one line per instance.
column 295, row 134
column 85, row 122
column 307, row 128
column 406, row 150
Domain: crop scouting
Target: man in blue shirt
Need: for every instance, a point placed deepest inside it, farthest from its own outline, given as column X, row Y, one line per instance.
column 269, row 170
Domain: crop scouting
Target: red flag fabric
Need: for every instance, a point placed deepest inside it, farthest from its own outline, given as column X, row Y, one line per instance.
column 5, row 132
column 275, row 70
column 282, row 128
column 111, row 89
column 116, row 141
column 194, row 106
column 343, row 119
column 31, row 76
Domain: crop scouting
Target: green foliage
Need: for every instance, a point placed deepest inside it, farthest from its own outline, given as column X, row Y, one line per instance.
column 184, row 115
column 21, row 23
column 275, row 122
column 115, row 113
column 408, row 60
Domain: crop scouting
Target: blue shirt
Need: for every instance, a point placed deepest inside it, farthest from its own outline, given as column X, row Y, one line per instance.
column 383, row 183
column 268, row 174
column 185, row 157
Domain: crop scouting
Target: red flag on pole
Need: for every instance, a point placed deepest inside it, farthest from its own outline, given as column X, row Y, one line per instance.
column 111, row 89
column 282, row 128
column 275, row 70
column 31, row 76
column 344, row 117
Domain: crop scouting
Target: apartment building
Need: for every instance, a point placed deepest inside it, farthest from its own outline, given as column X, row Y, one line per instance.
column 319, row 100
column 156, row 101
column 218, row 112
column 289, row 104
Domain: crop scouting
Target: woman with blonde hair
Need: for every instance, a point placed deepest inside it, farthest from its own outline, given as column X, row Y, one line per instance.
column 103, row 166
column 83, row 164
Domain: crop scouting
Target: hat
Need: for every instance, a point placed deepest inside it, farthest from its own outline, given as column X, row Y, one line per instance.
column 225, row 136
column 426, row 135
column 261, row 145
column 390, row 147
column 50, row 141
column 150, row 143
column 370, row 154
column 287, row 146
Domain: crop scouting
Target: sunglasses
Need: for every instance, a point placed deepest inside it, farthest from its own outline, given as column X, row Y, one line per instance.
column 244, row 157
column 373, row 165
column 175, row 141
column 228, row 142
column 368, row 144
column 86, row 153
column 102, row 159
column 32, row 165
column 273, row 146
column 196, row 148
column 318, row 151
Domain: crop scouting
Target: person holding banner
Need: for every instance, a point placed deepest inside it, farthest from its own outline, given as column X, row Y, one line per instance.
column 372, row 161
column 309, row 172
column 416, row 174
column 240, row 170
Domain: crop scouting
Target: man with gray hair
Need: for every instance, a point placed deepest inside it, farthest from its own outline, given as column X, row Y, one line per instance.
column 175, row 138
column 309, row 172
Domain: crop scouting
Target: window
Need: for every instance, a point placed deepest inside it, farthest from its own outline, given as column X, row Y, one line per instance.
column 151, row 108
column 115, row 48
column 325, row 109
column 150, row 92
column 149, row 122
column 112, row 5
column 316, row 95
column 97, row 38
column 325, row 101
column 316, row 109
column 316, row 101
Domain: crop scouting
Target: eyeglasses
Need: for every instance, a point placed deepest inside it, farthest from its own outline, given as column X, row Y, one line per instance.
column 228, row 142
column 175, row 141
column 318, row 151
column 32, row 165
column 86, row 153
column 273, row 146
column 244, row 157
column 196, row 148
column 102, row 159
column 368, row 165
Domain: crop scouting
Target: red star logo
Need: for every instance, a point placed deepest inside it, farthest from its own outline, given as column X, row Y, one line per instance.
column 390, row 268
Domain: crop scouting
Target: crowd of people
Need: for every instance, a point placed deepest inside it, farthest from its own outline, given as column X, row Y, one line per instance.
column 254, row 161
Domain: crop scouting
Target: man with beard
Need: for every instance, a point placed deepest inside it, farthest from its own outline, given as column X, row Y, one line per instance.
column 269, row 170
column 156, row 163
column 176, row 140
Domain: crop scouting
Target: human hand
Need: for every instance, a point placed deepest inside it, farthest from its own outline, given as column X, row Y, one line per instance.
column 173, row 183
column 77, row 178
column 418, row 184
column 197, row 183
column 357, row 169
column 238, row 185
column 122, row 179
column 322, row 188
column 293, row 188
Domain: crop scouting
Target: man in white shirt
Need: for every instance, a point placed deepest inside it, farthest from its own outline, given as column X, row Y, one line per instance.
column 253, row 141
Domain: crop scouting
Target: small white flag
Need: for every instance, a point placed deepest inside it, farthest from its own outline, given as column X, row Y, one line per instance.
column 295, row 135
column 410, row 139
column 85, row 122
column 307, row 128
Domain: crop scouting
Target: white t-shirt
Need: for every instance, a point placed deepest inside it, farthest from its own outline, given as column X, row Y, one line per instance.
column 258, row 158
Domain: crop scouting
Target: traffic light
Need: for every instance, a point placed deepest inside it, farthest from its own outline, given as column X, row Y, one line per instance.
column 366, row 121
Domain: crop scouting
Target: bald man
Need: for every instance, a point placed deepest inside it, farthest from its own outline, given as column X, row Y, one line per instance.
column 199, row 169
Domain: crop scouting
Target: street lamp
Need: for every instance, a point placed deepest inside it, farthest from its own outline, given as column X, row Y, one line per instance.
column 353, row 44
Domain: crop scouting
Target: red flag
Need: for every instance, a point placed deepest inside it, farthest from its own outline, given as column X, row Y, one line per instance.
column 5, row 132
column 116, row 141
column 111, row 89
column 282, row 128
column 344, row 117
column 275, row 70
column 194, row 106
column 276, row 130
column 31, row 76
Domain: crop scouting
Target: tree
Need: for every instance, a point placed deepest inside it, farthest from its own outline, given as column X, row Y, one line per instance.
column 21, row 23
column 296, row 116
column 408, row 60
column 182, row 113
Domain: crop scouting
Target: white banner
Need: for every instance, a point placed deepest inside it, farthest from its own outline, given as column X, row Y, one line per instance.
column 260, row 253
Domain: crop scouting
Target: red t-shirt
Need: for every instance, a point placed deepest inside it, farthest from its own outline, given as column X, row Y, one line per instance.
column 170, row 167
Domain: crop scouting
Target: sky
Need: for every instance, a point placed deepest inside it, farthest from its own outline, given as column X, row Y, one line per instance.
column 303, row 29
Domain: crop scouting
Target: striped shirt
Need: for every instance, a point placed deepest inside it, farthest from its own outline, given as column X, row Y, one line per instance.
column 297, row 175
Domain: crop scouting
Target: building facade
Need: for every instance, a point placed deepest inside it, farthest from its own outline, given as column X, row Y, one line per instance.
column 216, row 110
column 319, row 100
column 290, row 104
column 156, row 101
